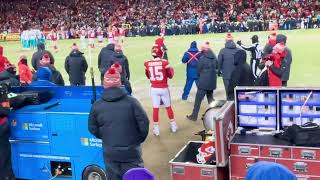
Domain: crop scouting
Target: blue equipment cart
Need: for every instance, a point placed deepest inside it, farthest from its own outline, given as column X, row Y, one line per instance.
column 52, row 141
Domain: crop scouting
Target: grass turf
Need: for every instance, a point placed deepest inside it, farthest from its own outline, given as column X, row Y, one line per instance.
column 305, row 46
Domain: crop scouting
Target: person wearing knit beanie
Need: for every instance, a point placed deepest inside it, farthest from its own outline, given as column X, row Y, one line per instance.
column 229, row 37
column 56, row 75
column 205, row 46
column 117, row 66
column 121, row 123
column 159, row 42
column 112, row 78
column 76, row 66
column 74, row 46
column 226, row 61
column 25, row 73
column 156, row 51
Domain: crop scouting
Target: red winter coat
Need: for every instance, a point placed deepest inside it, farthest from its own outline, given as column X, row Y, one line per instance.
column 274, row 79
column 3, row 60
column 24, row 73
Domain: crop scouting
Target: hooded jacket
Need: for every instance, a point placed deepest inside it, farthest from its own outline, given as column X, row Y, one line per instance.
column 76, row 66
column 123, row 61
column 284, row 71
column 37, row 56
column 121, row 133
column 207, row 71
column 226, row 59
column 25, row 73
column 43, row 77
column 105, row 58
column 242, row 74
column 56, row 76
column 3, row 60
column 192, row 63
column 274, row 77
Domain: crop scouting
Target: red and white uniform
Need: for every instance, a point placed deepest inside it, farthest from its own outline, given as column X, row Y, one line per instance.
column 54, row 36
column 159, row 71
column 91, row 35
column 83, row 35
column 122, row 33
column 110, row 37
column 100, row 36
column 116, row 35
column 162, row 29
column 54, row 39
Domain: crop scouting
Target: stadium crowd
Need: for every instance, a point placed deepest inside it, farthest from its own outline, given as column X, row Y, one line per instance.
column 150, row 17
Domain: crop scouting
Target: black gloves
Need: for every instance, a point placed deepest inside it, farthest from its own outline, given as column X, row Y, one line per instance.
column 239, row 42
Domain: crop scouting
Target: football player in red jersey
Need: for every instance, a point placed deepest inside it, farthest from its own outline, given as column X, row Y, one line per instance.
column 54, row 40
column 92, row 36
column 159, row 71
column 83, row 34
column 100, row 36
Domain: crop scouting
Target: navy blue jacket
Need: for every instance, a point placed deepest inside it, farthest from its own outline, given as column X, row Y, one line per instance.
column 42, row 82
column 192, row 65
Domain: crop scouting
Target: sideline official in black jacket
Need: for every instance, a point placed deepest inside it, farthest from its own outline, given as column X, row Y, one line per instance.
column 105, row 59
column 242, row 74
column 76, row 66
column 226, row 61
column 207, row 81
column 122, row 124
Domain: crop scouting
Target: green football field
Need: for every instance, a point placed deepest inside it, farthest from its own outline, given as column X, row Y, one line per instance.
column 305, row 46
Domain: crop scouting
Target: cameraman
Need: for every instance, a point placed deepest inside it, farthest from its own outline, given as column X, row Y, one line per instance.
column 6, row 172
column 256, row 53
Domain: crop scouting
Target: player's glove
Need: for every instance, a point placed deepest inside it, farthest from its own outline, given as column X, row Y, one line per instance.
column 239, row 43
column 219, row 73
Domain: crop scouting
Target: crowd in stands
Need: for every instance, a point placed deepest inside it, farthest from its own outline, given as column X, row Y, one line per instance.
column 148, row 17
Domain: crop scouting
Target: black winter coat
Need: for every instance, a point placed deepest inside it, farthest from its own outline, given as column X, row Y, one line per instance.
column 242, row 74
column 105, row 58
column 206, row 68
column 76, row 66
column 7, row 77
column 284, row 72
column 123, row 61
column 122, row 124
column 226, row 59
column 37, row 56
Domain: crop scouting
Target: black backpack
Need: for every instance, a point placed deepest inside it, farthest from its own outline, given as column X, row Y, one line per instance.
column 305, row 135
